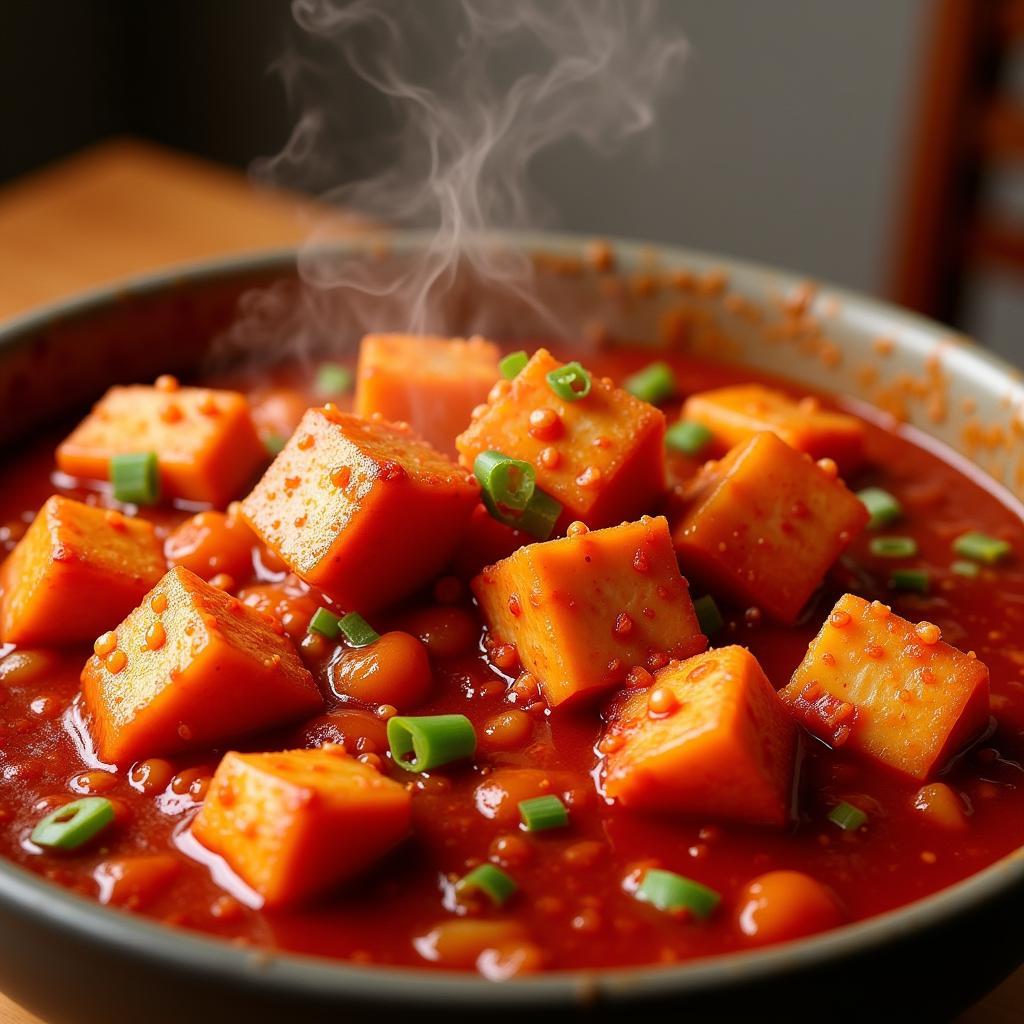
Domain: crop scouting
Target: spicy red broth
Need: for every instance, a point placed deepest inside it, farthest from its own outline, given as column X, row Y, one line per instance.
column 575, row 902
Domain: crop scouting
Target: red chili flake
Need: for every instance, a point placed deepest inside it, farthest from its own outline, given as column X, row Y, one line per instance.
column 514, row 607
column 928, row 633
column 208, row 407
column 623, row 625
column 577, row 529
column 300, row 521
column 115, row 661
column 875, row 651
column 171, row 413
column 829, row 468
column 549, row 458
column 167, row 382
column 105, row 644
column 839, row 619
column 590, row 477
column 638, row 677
column 341, row 477
column 305, row 442
column 828, row 658
column 662, row 701
column 602, row 442
column 156, row 636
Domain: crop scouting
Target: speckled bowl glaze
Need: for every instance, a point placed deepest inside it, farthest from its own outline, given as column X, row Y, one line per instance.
column 71, row 960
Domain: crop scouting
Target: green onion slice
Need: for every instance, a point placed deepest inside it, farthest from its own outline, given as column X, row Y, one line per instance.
column 893, row 547
column 136, row 478
column 672, row 893
column 915, row 580
column 509, row 483
column 325, row 623
column 688, row 437
column 541, row 813
column 489, row 880
column 654, row 383
column 982, row 548
column 882, row 507
column 74, row 824
column 538, row 519
column 964, row 568
column 570, row 382
column 847, row 817
column 357, row 631
column 274, row 443
column 332, row 379
column 512, row 365
column 420, row 744
column 709, row 618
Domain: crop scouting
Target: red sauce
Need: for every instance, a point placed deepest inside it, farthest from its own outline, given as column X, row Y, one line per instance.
column 573, row 901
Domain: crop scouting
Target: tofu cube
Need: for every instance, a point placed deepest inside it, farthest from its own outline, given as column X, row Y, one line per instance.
column 77, row 571
column 191, row 667
column 296, row 824
column 583, row 610
column 763, row 526
column 433, row 384
column 204, row 439
column 736, row 414
column 362, row 509
column 710, row 739
column 602, row 456
column 892, row 691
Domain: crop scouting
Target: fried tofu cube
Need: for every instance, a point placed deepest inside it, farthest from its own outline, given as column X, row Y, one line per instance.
column 601, row 456
column 431, row 383
column 191, row 667
column 709, row 738
column 763, row 526
column 295, row 824
column 77, row 571
column 363, row 510
column 735, row 414
column 205, row 441
column 582, row 611
column 892, row 691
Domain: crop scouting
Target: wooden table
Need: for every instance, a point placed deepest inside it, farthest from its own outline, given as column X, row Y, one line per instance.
column 126, row 207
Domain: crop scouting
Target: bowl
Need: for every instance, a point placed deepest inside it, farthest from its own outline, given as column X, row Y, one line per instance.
column 71, row 960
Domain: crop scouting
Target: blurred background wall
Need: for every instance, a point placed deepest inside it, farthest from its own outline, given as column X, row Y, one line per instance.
column 789, row 141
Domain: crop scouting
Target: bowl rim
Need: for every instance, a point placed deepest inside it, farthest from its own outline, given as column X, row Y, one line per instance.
column 137, row 937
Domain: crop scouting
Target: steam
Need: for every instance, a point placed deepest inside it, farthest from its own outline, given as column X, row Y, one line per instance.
column 472, row 91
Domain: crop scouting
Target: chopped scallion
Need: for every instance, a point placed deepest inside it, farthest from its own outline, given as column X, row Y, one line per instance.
column 654, row 383
column 74, row 824
column 420, row 744
column 982, row 548
column 538, row 519
column 357, row 631
column 325, row 623
column 709, row 618
column 135, row 478
column 332, row 379
column 916, row 580
column 881, row 505
column 964, row 568
column 570, row 382
column 541, row 813
column 674, row 893
column 847, row 817
column 689, row 437
column 893, row 547
column 512, row 365
column 489, row 880
column 509, row 483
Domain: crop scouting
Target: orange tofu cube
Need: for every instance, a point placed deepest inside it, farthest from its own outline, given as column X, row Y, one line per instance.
column 433, row 384
column 363, row 510
column 205, row 440
column 191, row 667
column 602, row 457
column 710, row 739
column 764, row 524
column 77, row 572
column 736, row 414
column 888, row 689
column 582, row 611
column 295, row 824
